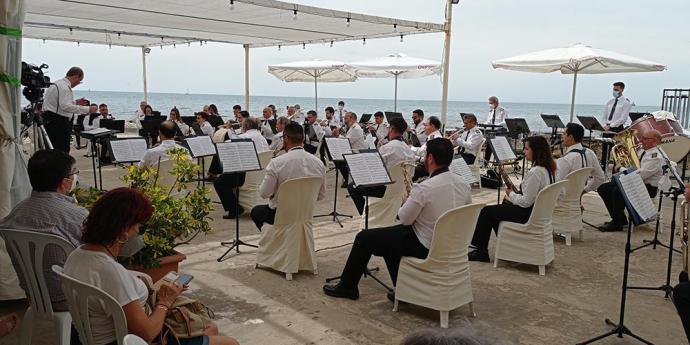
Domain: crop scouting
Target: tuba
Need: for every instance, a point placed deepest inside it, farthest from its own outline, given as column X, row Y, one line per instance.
column 624, row 153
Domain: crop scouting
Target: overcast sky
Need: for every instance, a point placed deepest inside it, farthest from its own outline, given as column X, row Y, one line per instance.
column 483, row 30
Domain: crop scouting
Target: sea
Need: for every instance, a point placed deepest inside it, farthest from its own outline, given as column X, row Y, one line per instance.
column 123, row 105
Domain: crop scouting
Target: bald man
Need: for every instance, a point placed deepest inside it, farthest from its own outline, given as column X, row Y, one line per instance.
column 651, row 169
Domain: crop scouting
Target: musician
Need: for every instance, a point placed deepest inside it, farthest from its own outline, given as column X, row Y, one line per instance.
column 177, row 119
column 356, row 135
column 469, row 141
column 328, row 124
column 268, row 123
column 681, row 292
column 418, row 215
column 419, row 126
column 341, row 113
column 59, row 108
column 295, row 163
column 298, row 116
column 205, row 127
column 393, row 152
column 236, row 109
column 277, row 143
column 578, row 157
column 617, row 109
column 139, row 114
column 519, row 208
column 379, row 129
column 497, row 116
column 313, row 133
column 431, row 131
column 290, row 112
column 93, row 115
column 225, row 184
column 651, row 170
column 166, row 131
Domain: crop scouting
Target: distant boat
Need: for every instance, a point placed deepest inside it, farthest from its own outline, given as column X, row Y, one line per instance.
column 187, row 93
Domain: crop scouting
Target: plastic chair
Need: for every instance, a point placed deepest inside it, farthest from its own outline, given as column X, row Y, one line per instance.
column 567, row 216
column 79, row 296
column 164, row 168
column 442, row 280
column 27, row 249
column 131, row 339
column 384, row 211
column 249, row 191
column 288, row 246
column 532, row 242
column 476, row 167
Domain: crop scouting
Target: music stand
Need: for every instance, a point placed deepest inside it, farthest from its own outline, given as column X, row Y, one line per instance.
column 335, row 148
column 150, row 125
column 590, row 123
column 200, row 147
column 188, row 120
column 391, row 115
column 93, row 136
column 503, row 153
column 127, row 150
column 237, row 156
column 365, row 118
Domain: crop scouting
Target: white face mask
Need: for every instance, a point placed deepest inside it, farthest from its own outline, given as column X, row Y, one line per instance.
column 75, row 182
column 492, row 106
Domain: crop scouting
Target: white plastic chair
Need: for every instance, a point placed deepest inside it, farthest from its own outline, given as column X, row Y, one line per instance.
column 476, row 167
column 79, row 296
column 532, row 242
column 384, row 211
column 249, row 191
column 567, row 216
column 131, row 339
column 288, row 245
column 27, row 249
column 164, row 168
column 442, row 280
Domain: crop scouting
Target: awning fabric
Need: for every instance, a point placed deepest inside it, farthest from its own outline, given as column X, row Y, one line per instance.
column 254, row 23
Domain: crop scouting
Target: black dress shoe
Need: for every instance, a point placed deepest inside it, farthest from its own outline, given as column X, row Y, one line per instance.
column 611, row 227
column 479, row 255
column 340, row 292
column 391, row 296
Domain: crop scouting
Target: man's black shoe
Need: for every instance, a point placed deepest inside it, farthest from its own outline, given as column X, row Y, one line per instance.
column 479, row 255
column 611, row 227
column 391, row 296
column 340, row 292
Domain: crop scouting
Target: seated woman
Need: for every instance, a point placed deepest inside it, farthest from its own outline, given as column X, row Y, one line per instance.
column 115, row 219
column 177, row 119
column 518, row 207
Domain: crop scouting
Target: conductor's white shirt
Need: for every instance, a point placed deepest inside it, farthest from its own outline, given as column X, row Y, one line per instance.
column 430, row 199
column 259, row 141
column 59, row 99
column 296, row 163
column 158, row 152
column 575, row 159
column 356, row 136
column 620, row 114
column 535, row 180
column 396, row 151
column 497, row 116
column 470, row 141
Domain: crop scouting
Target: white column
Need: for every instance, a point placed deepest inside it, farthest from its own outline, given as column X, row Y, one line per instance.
column 246, row 77
column 143, row 65
column 446, row 63
column 572, row 100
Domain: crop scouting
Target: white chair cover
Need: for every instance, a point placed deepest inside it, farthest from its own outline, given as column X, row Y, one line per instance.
column 79, row 296
column 532, row 242
column 288, row 245
column 442, row 280
column 27, row 249
column 165, row 178
column 131, row 339
column 384, row 211
column 249, row 191
column 567, row 216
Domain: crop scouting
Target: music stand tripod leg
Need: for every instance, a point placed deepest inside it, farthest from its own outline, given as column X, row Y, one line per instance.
column 335, row 213
column 237, row 242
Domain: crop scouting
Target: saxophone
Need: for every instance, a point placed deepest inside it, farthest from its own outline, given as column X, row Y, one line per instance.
column 624, row 153
column 407, row 179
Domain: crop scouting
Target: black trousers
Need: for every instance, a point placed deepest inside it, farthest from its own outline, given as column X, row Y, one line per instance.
column 59, row 130
column 392, row 243
column 343, row 168
column 357, row 195
column 263, row 214
column 322, row 153
column 225, row 188
column 491, row 216
column 215, row 167
column 681, row 299
column 613, row 199
column 468, row 157
column 487, row 153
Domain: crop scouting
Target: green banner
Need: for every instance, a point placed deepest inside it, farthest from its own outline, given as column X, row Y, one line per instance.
column 9, row 79
column 10, row 32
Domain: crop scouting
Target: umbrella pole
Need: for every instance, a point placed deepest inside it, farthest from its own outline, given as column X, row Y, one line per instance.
column 395, row 102
column 143, row 71
column 572, row 101
column 316, row 95
column 246, row 77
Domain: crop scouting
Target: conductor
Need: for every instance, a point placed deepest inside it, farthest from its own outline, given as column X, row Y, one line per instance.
column 59, row 108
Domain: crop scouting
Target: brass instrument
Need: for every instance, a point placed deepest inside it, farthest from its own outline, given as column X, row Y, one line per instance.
column 406, row 176
column 506, row 179
column 624, row 153
column 685, row 213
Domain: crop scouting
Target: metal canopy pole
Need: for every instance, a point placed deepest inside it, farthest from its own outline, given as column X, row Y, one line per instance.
column 143, row 65
column 446, row 62
column 572, row 101
column 395, row 104
column 246, row 77
column 316, row 93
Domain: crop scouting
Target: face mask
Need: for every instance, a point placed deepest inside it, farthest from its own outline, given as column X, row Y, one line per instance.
column 616, row 94
column 132, row 246
column 492, row 106
column 75, row 182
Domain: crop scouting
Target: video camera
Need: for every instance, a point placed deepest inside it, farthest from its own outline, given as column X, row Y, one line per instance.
column 34, row 81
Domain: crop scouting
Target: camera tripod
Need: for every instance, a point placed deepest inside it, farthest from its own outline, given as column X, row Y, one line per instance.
column 35, row 122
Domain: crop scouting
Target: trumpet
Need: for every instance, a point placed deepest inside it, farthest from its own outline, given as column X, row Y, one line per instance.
column 452, row 134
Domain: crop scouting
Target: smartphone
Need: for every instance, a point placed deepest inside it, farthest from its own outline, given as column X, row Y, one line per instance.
column 171, row 277
column 184, row 279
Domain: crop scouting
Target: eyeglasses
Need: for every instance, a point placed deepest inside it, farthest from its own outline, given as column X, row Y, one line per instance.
column 73, row 172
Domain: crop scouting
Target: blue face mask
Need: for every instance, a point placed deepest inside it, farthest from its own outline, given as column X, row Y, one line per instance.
column 616, row 94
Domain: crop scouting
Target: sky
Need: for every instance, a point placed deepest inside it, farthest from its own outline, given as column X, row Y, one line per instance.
column 483, row 31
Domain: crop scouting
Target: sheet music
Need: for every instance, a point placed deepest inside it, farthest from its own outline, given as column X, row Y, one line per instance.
column 129, row 150
column 96, row 131
column 367, row 168
column 502, row 149
column 637, row 195
column 238, row 156
column 337, row 147
column 201, row 146
column 460, row 167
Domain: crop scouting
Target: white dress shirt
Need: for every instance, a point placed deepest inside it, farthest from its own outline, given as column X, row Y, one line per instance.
column 651, row 165
column 620, row 114
column 207, row 129
column 299, row 117
column 575, row 159
column 420, row 130
column 184, row 128
column 535, row 180
column 356, row 136
column 421, row 151
column 501, row 115
column 138, row 117
column 381, row 131
column 319, row 135
column 161, row 151
column 94, row 124
column 266, row 130
column 394, row 152
column 430, row 199
column 470, row 141
column 296, row 163
column 259, row 141
column 339, row 116
column 277, row 142
column 59, row 99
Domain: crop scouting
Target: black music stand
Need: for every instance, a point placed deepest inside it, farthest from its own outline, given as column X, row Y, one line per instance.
column 201, row 147
column 151, row 124
column 619, row 329
column 340, row 160
column 391, row 115
column 188, row 120
column 554, row 122
column 590, row 123
column 491, row 131
column 364, row 119
column 112, row 124
column 233, row 161
column 96, row 152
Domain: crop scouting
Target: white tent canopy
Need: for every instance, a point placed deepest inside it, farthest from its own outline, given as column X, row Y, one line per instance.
column 324, row 71
column 577, row 59
column 396, row 66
